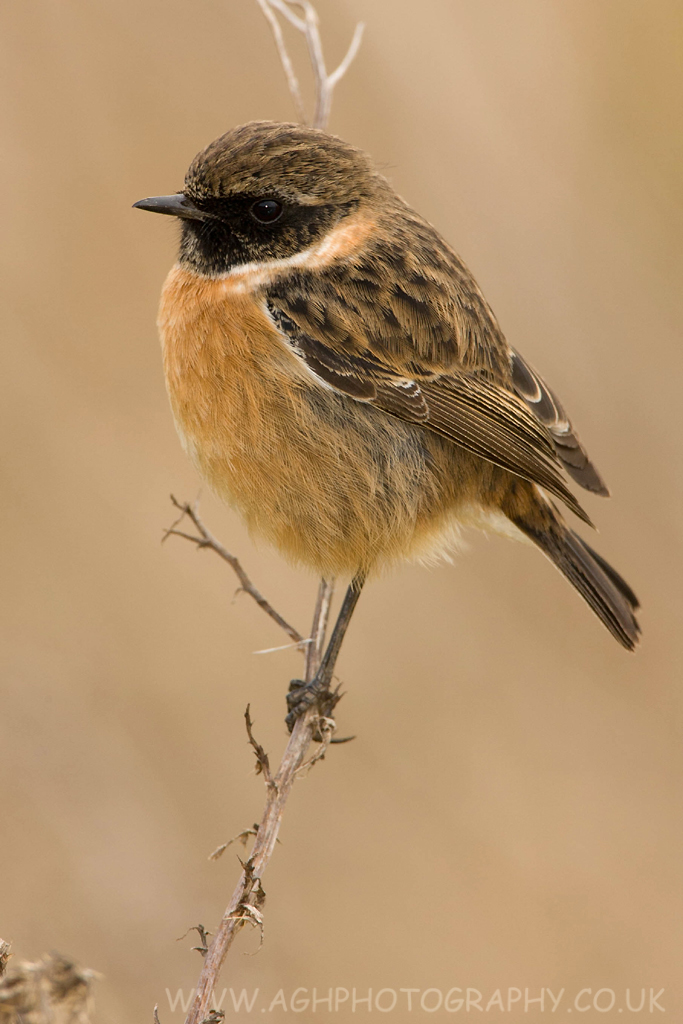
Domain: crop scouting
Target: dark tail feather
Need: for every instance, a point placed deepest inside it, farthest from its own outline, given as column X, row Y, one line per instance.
column 599, row 584
column 612, row 574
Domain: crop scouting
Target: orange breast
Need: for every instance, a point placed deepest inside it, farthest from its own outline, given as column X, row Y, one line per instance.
column 223, row 360
column 332, row 483
column 238, row 399
column 232, row 383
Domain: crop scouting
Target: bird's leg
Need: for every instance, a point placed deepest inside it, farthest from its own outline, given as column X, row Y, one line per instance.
column 301, row 695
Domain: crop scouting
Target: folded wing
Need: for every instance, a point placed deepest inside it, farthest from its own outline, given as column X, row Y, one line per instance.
column 470, row 410
column 545, row 405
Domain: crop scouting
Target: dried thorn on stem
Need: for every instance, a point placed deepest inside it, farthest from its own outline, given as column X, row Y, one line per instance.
column 203, row 934
column 308, row 25
column 249, row 910
column 207, row 540
column 214, row 1017
column 323, row 731
column 241, row 837
column 262, row 762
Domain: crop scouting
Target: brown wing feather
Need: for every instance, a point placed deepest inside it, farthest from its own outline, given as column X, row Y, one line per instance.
column 490, row 422
column 547, row 408
column 471, row 411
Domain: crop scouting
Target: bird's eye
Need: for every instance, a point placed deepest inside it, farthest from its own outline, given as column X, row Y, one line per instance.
column 266, row 211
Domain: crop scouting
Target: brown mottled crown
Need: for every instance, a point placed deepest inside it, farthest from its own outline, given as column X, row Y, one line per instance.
column 297, row 163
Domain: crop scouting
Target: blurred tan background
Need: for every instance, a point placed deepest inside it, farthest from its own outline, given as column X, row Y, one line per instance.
column 508, row 815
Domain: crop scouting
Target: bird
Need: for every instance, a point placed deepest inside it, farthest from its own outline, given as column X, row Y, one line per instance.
column 337, row 376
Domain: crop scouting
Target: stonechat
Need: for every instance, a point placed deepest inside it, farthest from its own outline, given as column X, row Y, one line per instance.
column 338, row 377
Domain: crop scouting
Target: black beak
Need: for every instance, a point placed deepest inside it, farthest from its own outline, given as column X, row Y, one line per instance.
column 175, row 206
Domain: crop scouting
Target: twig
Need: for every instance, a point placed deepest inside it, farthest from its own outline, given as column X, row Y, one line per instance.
column 207, row 540
column 262, row 762
column 249, row 892
column 292, row 80
column 321, row 615
column 282, row 647
column 203, row 938
column 323, row 731
column 241, row 837
column 308, row 25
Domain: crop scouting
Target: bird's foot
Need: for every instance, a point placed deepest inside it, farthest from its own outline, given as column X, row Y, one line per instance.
column 303, row 695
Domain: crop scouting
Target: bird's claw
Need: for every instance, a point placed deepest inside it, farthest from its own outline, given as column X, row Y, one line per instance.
column 302, row 696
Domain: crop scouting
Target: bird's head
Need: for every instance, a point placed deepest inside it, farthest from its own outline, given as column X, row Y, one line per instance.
column 266, row 190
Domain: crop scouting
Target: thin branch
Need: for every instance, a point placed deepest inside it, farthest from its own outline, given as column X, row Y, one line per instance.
column 247, row 899
column 203, row 938
column 207, row 540
column 284, row 7
column 242, row 837
column 309, row 26
column 323, row 733
column 288, row 67
column 353, row 49
column 321, row 615
column 323, row 97
column 282, row 647
column 262, row 762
